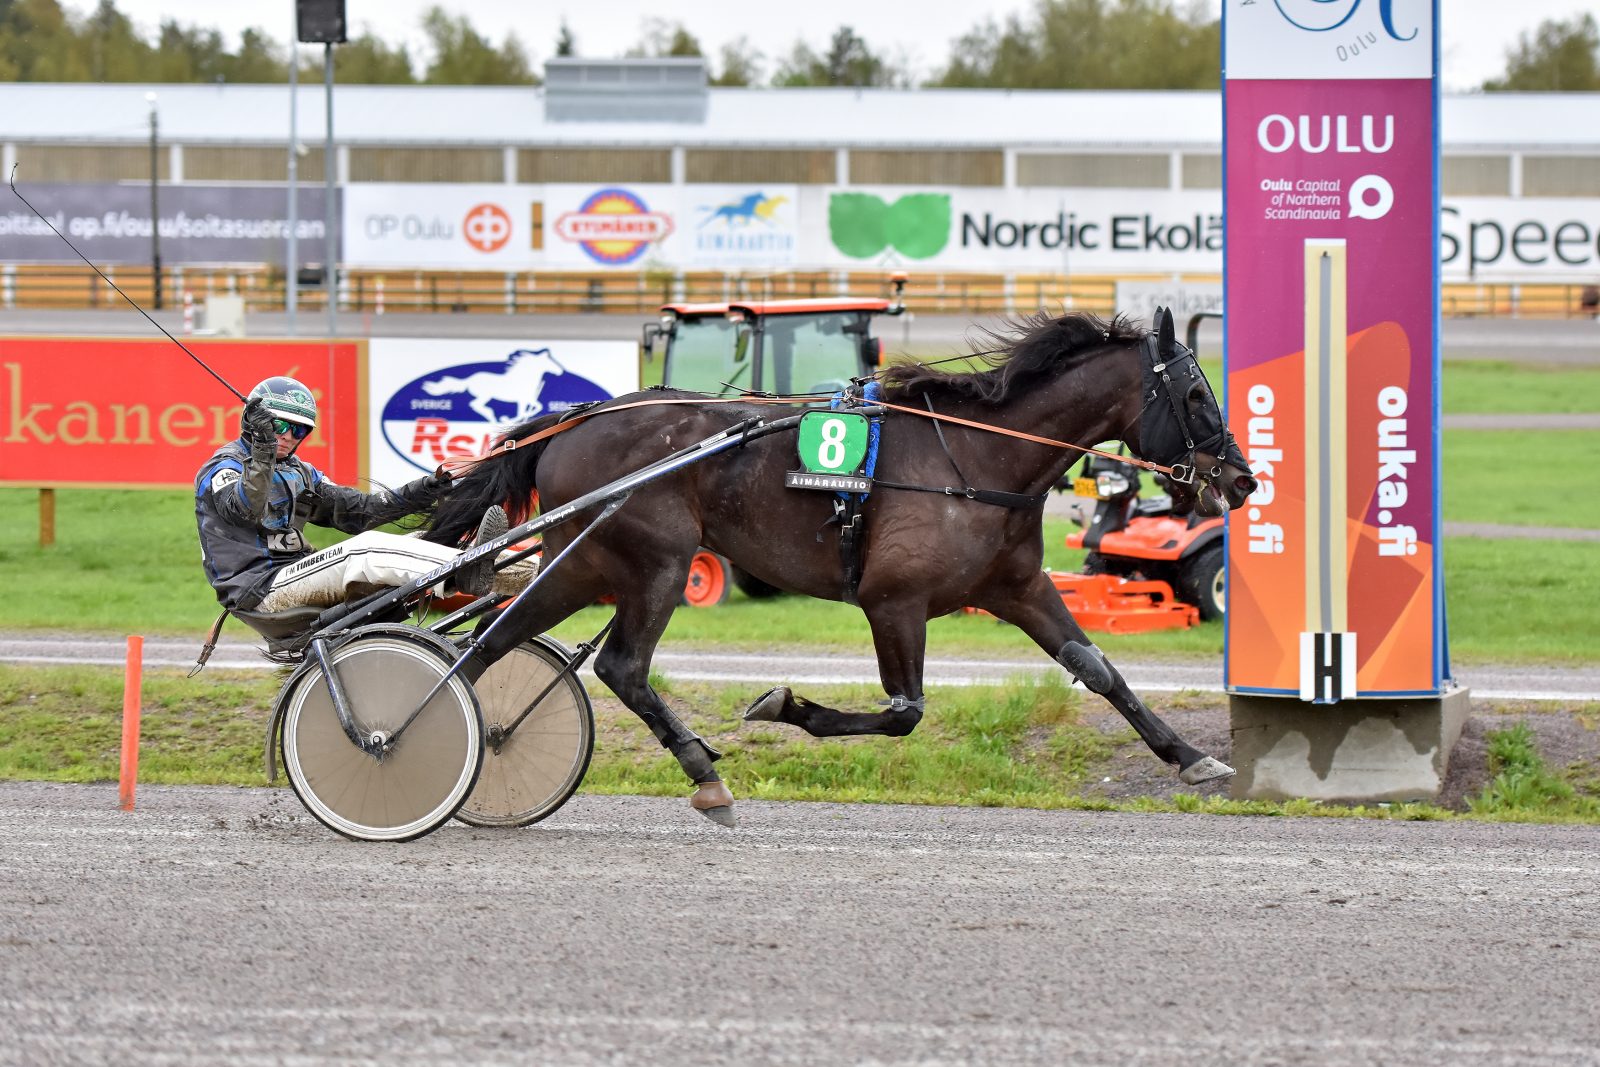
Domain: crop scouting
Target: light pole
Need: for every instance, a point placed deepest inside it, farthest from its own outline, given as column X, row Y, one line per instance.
column 329, row 275
column 291, row 267
column 155, row 206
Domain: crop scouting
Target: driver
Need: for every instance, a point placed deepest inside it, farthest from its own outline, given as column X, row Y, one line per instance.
column 253, row 497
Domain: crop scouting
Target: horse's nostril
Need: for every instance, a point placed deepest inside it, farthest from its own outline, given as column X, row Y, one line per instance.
column 1245, row 484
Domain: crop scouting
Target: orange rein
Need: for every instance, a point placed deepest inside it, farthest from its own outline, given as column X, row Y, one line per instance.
column 461, row 465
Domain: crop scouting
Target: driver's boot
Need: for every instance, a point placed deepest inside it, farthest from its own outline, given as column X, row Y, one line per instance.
column 477, row 578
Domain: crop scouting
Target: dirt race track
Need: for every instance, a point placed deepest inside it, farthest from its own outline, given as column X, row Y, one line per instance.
column 224, row 926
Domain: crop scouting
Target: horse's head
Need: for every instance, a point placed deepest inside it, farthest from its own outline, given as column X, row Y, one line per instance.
column 1180, row 426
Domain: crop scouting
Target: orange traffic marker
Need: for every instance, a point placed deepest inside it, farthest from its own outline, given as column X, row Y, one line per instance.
column 130, row 722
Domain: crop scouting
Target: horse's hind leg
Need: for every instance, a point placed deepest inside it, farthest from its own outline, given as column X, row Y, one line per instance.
column 1039, row 612
column 624, row 666
column 899, row 635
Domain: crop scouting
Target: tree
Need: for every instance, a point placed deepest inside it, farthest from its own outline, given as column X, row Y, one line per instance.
column 39, row 43
column 461, row 56
column 1091, row 44
column 741, row 64
column 188, row 54
column 1560, row 56
column 259, row 61
column 115, row 51
column 662, row 38
column 369, row 60
column 848, row 62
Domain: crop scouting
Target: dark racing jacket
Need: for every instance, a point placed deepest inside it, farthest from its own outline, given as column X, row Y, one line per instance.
column 251, row 510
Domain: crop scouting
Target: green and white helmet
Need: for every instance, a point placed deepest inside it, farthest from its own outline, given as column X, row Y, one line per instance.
column 287, row 399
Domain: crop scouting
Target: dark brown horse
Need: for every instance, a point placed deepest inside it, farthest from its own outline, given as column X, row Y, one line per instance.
column 922, row 554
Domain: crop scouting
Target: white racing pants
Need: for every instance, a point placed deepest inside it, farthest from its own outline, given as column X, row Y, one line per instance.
column 374, row 558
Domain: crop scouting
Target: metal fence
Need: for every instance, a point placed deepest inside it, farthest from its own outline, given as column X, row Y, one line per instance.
column 528, row 292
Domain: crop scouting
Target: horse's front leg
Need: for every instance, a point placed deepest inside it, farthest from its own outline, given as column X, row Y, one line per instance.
column 899, row 635
column 624, row 666
column 1036, row 609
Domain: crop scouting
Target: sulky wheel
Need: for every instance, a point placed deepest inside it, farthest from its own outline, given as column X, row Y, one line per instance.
column 420, row 777
column 532, row 771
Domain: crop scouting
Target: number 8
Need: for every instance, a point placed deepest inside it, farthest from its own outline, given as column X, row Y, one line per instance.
column 831, row 453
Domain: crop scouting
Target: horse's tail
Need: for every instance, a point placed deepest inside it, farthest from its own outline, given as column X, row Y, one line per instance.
column 507, row 479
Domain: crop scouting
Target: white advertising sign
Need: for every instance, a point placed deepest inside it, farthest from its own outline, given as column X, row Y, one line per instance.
column 1323, row 39
column 597, row 227
column 754, row 226
column 431, row 400
column 474, row 227
column 1139, row 300
column 1497, row 238
column 1099, row 231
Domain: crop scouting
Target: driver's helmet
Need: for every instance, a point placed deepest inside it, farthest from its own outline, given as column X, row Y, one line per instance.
column 287, row 399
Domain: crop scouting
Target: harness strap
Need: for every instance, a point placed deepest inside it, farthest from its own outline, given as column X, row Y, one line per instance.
column 210, row 645
column 982, row 496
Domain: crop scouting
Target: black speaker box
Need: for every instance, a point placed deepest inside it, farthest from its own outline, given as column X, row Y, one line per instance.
column 320, row 21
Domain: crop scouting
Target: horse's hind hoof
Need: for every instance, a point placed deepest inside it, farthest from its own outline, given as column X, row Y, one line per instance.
column 713, row 800
column 768, row 705
column 1205, row 769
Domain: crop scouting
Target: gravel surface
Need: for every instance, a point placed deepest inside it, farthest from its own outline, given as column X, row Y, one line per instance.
column 222, row 925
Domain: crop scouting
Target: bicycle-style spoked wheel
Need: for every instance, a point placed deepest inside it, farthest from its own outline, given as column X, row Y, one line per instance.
column 385, row 670
column 533, row 771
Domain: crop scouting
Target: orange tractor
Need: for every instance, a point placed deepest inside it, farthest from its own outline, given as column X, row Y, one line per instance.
column 784, row 347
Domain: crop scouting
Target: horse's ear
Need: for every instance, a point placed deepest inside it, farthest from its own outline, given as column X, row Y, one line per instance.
column 1166, row 341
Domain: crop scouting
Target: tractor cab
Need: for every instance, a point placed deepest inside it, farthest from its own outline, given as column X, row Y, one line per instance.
column 785, row 347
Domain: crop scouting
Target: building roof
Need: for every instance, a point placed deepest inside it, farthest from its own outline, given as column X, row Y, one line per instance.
column 790, row 118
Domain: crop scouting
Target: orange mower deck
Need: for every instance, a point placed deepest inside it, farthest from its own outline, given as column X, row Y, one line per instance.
column 1107, row 604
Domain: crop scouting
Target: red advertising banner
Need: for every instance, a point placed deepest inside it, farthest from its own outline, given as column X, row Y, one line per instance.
column 1331, row 274
column 110, row 412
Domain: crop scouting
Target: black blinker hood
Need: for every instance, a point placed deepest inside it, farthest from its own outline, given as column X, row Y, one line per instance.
column 1172, row 430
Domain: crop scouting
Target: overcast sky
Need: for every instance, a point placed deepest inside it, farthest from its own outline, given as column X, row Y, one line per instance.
column 1476, row 33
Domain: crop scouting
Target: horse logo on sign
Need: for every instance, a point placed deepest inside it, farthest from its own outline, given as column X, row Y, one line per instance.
column 457, row 411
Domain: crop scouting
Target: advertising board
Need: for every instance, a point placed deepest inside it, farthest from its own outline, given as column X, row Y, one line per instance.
column 438, row 225
column 200, row 224
column 1331, row 162
column 110, row 412
column 430, row 400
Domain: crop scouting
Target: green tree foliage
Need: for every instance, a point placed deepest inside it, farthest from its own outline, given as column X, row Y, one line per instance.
column 370, row 60
column 848, row 61
column 114, row 50
column 1091, row 44
column 663, row 38
column 462, row 56
column 38, row 43
column 1560, row 56
column 741, row 64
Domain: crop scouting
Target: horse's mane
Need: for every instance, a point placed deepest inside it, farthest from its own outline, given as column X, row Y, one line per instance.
column 1019, row 353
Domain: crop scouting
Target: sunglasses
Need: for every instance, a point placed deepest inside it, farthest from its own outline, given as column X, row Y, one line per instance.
column 299, row 431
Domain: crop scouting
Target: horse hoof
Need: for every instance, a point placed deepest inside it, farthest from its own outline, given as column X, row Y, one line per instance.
column 1205, row 769
column 722, row 816
column 768, row 705
column 713, row 800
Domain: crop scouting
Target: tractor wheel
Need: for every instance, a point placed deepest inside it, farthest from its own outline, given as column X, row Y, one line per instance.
column 1095, row 563
column 1200, row 581
column 753, row 587
column 709, row 580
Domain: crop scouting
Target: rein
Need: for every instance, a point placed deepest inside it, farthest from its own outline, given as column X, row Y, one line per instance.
column 1178, row 472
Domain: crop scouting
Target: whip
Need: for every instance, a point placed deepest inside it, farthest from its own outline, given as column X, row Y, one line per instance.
column 119, row 291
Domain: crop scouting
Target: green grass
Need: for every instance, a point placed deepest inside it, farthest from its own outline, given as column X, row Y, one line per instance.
column 1519, row 388
column 1523, row 785
column 1493, row 476
column 126, row 562
column 1018, row 745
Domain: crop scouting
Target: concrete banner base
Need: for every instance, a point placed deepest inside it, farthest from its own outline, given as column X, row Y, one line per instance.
column 1358, row 751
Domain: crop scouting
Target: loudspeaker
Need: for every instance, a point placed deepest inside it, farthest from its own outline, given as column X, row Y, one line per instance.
column 320, row 21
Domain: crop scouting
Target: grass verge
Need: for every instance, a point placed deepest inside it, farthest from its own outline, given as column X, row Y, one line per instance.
column 1032, row 745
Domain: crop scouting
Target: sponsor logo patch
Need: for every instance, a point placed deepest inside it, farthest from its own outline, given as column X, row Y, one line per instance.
column 224, row 478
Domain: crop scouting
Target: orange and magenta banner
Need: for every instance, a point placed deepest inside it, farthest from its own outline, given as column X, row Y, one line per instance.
column 1331, row 194
column 100, row 411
